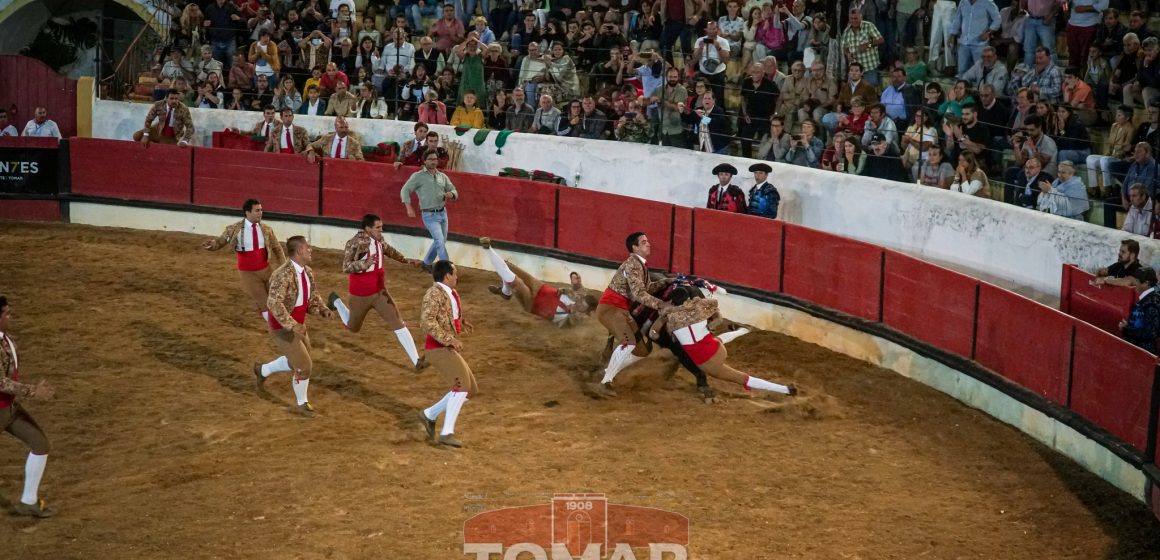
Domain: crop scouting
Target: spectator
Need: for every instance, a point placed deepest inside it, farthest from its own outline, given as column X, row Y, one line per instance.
column 498, row 112
column 287, row 137
column 207, row 98
column 1122, row 272
column 167, row 122
column 1031, row 142
column 338, row 144
column 369, row 105
column 448, row 30
column 237, row 101
column 432, row 110
column 988, row 70
column 593, row 122
column 854, row 121
column 710, row 126
column 395, row 66
column 1044, row 78
column 900, row 99
column 264, row 56
column 520, row 115
column 833, row 150
column 1097, row 75
column 481, row 30
column 470, row 55
column 1072, row 137
column 1119, row 147
column 764, row 198
column 1081, row 26
column 917, row 143
column 289, row 48
column 369, row 30
column 934, row 172
column 1139, row 220
column 969, row 179
column 41, row 126
column 241, row 73
column 220, row 21
column 1027, row 182
column 563, row 72
column 958, row 97
column 992, row 111
column 1143, row 170
column 972, row 26
column 207, row 65
column 414, row 93
column 882, row 160
column 1146, row 85
column 262, row 95
column 817, row 39
column 860, row 42
column 725, row 195
column 855, row 87
column 546, row 120
column 316, row 49
column 793, row 94
column 1079, row 97
column 1066, row 196
column 878, row 124
column 806, row 150
column 176, row 66
column 468, row 114
column 732, row 26
column 313, row 106
column 678, row 20
column 329, row 82
column 1039, row 27
column 1110, row 36
column 1142, row 326
column 286, row 95
column 1124, row 66
column 712, row 55
column 342, row 103
column 634, row 127
column 672, row 107
column 759, row 97
column 1138, row 25
column 776, row 144
column 850, row 158
column 916, row 71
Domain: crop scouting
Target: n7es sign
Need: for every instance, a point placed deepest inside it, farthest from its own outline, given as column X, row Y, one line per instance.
column 28, row 170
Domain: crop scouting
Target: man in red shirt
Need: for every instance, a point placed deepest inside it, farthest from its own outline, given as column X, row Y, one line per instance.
column 329, row 79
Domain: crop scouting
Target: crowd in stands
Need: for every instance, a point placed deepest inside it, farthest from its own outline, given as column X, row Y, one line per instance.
column 1008, row 100
column 39, row 126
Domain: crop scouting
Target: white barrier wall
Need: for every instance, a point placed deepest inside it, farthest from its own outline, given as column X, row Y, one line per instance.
column 1019, row 249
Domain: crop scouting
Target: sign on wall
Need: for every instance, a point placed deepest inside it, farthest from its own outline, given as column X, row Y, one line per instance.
column 28, row 170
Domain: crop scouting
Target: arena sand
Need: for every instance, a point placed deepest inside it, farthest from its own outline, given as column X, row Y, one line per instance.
column 163, row 449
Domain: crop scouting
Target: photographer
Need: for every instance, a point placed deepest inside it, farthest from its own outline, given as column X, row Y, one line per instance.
column 394, row 67
column 712, row 55
column 1030, row 142
column 432, row 111
column 806, row 150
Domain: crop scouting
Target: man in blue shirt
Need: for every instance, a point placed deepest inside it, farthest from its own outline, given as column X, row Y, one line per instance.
column 1142, row 326
column 972, row 26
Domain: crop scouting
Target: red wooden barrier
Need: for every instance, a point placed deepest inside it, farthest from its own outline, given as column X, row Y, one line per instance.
column 119, row 169
column 930, row 303
column 682, row 239
column 31, row 210
column 1024, row 341
column 1103, row 306
column 596, row 224
column 233, row 141
column 833, row 271
column 283, row 182
column 738, row 249
column 502, row 208
column 351, row 189
column 28, row 142
column 1111, row 384
column 37, row 85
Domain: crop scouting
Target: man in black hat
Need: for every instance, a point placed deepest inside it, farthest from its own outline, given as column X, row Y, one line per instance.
column 1142, row 326
column 763, row 196
column 882, row 160
column 724, row 195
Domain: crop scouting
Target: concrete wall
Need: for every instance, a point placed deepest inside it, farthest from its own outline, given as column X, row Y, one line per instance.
column 762, row 315
column 1019, row 249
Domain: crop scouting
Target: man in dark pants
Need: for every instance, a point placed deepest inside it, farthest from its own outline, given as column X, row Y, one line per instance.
column 1142, row 326
column 680, row 16
column 758, row 99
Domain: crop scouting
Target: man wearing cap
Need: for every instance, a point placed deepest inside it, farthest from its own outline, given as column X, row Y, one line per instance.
column 763, row 196
column 882, row 160
column 1142, row 326
column 724, row 195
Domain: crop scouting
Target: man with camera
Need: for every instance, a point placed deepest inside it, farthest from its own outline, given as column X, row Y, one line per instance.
column 712, row 54
column 394, row 68
column 1030, row 142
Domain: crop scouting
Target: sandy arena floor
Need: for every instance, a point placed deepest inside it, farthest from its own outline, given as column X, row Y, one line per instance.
column 164, row 450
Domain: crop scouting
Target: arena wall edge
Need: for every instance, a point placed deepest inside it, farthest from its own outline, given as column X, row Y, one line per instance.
column 1015, row 248
column 846, row 340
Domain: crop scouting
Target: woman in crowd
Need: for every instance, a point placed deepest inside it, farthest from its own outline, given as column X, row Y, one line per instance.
column 286, row 95
column 1119, row 147
column 934, row 172
column 369, row 30
column 749, row 36
column 969, row 179
column 369, row 104
column 775, row 145
column 432, row 111
column 342, row 27
column 1066, row 196
column 1071, row 137
column 471, row 66
column 497, row 114
column 806, row 150
column 497, row 73
column 817, row 39
column 854, row 121
column 485, row 34
column 958, row 97
column 367, row 56
column 850, row 157
column 414, row 93
column 563, row 72
column 916, row 142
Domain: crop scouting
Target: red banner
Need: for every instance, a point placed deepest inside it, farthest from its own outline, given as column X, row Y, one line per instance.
column 738, row 249
column 283, row 182
column 1024, row 341
column 930, row 303
column 833, row 271
column 120, row 169
column 596, row 224
column 1111, row 384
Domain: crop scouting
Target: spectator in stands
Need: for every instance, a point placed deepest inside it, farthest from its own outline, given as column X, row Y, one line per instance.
column 264, row 56
column 672, row 107
column 1031, row 142
column 856, row 86
column 468, row 114
column 860, row 42
column 917, row 142
column 1121, row 272
column 1110, row 36
column 520, row 114
column 1039, row 27
column 725, row 195
column 1124, row 66
column 1138, row 25
column 262, row 95
column 593, row 122
column 900, row 99
column 1026, row 185
column 546, row 119
column 1097, row 74
column 395, row 66
column 1079, row 97
column 342, row 103
column 972, row 26
column 448, row 30
column 1044, row 78
column 878, row 124
column 316, row 49
column 1082, row 26
column 934, row 172
column 916, row 71
column 241, row 73
column 882, row 160
column 286, row 95
column 759, row 97
column 1066, row 196
column 988, row 70
column 1142, row 326
column 220, row 21
column 833, row 150
column 176, row 66
column 497, row 114
column 764, row 198
column 313, row 106
column 329, row 82
column 1071, row 136
column 237, row 100
column 563, row 72
column 793, row 93
column 1119, row 144
column 1139, row 220
column 369, row 106
column 678, row 18
column 969, row 178
column 287, row 137
column 710, row 125
column 207, row 65
column 849, row 157
column 414, row 93
column 1143, row 170
column 776, row 144
column 432, row 110
column 167, row 122
column 1146, row 85
column 807, row 148
column 635, row 127
column 338, row 144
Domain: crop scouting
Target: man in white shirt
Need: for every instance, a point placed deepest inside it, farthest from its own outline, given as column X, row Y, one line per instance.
column 5, row 128
column 395, row 66
column 712, row 54
column 1139, row 220
column 41, row 126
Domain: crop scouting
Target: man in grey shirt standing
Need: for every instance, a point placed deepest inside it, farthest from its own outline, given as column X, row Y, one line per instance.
column 434, row 189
